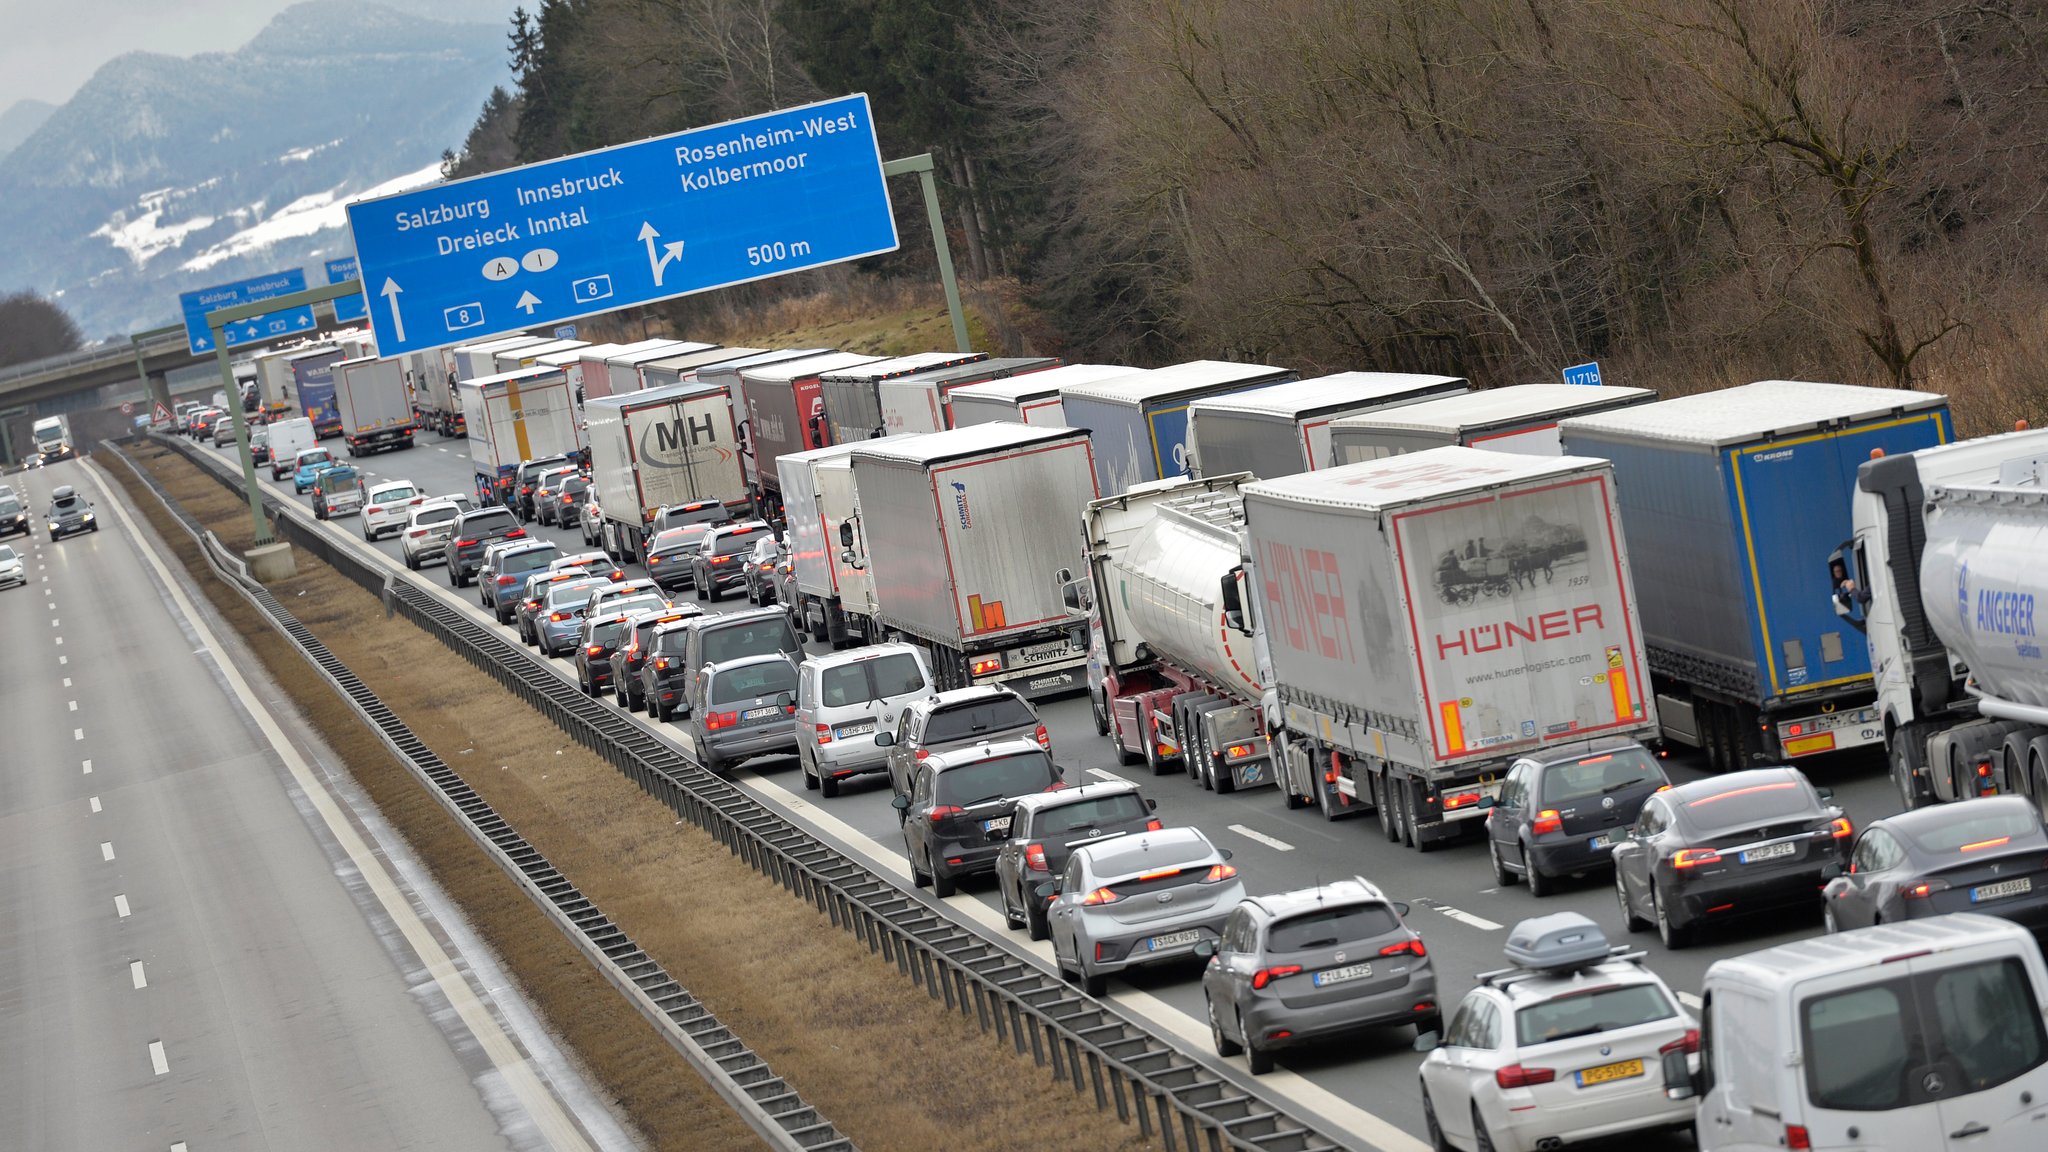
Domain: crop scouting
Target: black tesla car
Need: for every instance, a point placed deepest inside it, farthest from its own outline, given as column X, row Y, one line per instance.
column 1988, row 855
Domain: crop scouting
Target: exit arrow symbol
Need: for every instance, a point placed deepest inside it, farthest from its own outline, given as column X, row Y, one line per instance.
column 391, row 292
column 528, row 301
column 670, row 252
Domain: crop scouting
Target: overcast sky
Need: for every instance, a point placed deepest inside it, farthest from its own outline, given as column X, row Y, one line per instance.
column 50, row 47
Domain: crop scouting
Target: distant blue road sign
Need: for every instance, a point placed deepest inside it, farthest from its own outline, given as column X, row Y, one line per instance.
column 1587, row 373
column 565, row 332
column 195, row 306
column 738, row 201
column 347, row 309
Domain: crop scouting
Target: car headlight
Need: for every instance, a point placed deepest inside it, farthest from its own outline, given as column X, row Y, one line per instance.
column 53, row 525
column 88, row 517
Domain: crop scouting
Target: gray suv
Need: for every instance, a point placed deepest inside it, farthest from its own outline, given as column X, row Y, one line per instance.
column 716, row 639
column 1300, row 967
column 473, row 531
column 71, row 513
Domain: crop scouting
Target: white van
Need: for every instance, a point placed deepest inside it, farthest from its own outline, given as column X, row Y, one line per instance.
column 1922, row 1036
column 286, row 438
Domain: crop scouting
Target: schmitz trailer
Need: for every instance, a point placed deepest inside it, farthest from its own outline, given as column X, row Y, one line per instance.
column 1941, row 579
column 1030, row 399
column 853, row 396
column 375, row 407
column 785, row 412
column 1140, row 422
column 516, row 416
column 1736, row 502
column 834, row 600
column 923, row 402
column 1432, row 617
column 658, row 447
column 967, row 534
column 1517, row 418
column 1282, row 429
column 1179, row 686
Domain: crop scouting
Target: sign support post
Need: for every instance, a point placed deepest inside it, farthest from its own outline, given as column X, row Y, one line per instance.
column 155, row 394
column 922, row 165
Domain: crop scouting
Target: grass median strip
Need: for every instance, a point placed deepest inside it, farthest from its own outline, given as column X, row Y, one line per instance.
column 891, row 1067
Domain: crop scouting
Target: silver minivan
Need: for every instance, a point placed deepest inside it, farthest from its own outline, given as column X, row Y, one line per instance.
column 843, row 699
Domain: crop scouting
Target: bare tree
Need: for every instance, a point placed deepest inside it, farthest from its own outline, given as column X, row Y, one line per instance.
column 32, row 328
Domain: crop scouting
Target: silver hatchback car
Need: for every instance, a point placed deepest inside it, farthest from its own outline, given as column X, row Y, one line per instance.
column 1299, row 967
column 843, row 699
column 1138, row 900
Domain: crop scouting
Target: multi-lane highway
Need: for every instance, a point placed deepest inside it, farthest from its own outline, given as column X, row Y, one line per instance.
column 202, row 946
column 1367, row 1085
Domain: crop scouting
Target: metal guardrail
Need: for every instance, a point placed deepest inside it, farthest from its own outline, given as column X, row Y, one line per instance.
column 1112, row 1057
column 764, row 1100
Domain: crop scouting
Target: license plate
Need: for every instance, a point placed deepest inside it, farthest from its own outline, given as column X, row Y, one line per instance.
column 1349, row 972
column 1607, row 1073
column 1172, row 940
column 856, row 729
column 997, row 826
column 1769, row 852
column 2003, row 888
column 759, row 713
column 1603, row 840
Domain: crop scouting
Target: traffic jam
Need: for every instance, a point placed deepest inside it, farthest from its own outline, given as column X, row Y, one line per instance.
column 1722, row 716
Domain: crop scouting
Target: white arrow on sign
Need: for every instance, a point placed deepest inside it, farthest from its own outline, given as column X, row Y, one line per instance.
column 391, row 292
column 670, row 252
column 528, row 301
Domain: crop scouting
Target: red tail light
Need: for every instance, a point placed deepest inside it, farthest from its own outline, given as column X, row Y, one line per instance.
column 1548, row 821
column 1237, row 751
column 526, row 490
column 660, row 663
column 944, row 810
column 568, row 499
column 1034, row 858
column 417, row 532
column 595, row 649
column 1219, row 873
column 465, row 543
column 557, row 617
column 1265, row 976
column 1412, row 946
column 824, row 733
column 1797, row 1139
column 720, row 559
column 1100, row 896
column 1925, row 889
column 1044, row 740
column 1516, row 1076
column 1694, row 857
column 987, row 664
column 923, row 752
column 1841, row 829
column 374, row 508
column 716, row 720
column 1153, row 825
column 504, row 580
column 1688, row 1043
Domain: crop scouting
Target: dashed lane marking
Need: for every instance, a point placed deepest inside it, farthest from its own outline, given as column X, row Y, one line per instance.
column 106, row 849
column 157, row 1059
column 1462, row 917
column 95, row 802
column 86, row 768
column 1691, row 1001
column 1262, row 838
column 135, row 975
column 1103, row 774
column 121, row 906
column 78, row 733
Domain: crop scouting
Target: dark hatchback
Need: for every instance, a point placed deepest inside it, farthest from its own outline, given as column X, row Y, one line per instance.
column 1562, row 812
column 1727, row 846
column 1045, row 829
column 473, row 531
column 14, row 518
column 957, row 816
column 1988, row 855
column 600, row 638
column 671, row 553
column 635, row 644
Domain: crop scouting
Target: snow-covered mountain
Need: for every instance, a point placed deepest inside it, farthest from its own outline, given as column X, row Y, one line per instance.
column 163, row 175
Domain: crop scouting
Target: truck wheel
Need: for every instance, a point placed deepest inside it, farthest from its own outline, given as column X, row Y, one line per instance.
column 1905, row 751
column 1155, row 763
column 1390, row 812
column 1101, row 713
column 1411, row 809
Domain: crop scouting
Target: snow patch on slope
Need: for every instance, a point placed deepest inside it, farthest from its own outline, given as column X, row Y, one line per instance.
column 305, row 216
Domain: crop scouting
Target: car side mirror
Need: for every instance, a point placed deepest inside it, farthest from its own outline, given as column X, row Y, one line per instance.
column 900, row 803
column 885, row 739
column 1046, row 889
column 1680, row 1081
column 1151, row 805
column 1401, row 909
column 1428, row 1042
column 1827, row 795
column 1206, row 949
column 846, row 533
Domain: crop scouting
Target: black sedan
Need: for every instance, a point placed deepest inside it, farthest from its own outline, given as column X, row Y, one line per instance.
column 1988, row 855
column 1727, row 846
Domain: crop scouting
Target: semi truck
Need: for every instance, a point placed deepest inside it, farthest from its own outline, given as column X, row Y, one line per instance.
column 276, row 398
column 1517, row 418
column 1736, row 503
column 834, row 599
column 1140, row 421
column 923, row 402
column 516, row 416
column 1432, row 617
column 967, row 535
column 375, row 406
column 597, row 375
column 785, row 412
column 52, row 438
column 434, row 373
column 1282, row 429
column 1170, row 682
column 1939, row 578
column 853, row 396
column 670, row 371
column 530, row 355
column 657, row 447
column 1029, row 399
column 622, row 369
column 313, row 377
column 475, row 361
column 727, row 372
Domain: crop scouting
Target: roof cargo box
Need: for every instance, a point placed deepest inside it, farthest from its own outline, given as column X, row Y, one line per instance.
column 1559, row 942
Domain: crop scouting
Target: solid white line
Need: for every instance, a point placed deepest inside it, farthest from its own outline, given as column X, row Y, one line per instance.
column 78, row 733
column 519, row 1076
column 1691, row 1001
column 1468, row 918
column 156, row 1057
column 106, row 849
column 121, row 906
column 95, row 802
column 86, row 767
column 1103, row 774
column 135, row 975
column 1261, row 837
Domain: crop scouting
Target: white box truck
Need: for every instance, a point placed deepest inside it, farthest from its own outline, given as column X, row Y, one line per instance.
column 1432, row 617
column 433, row 374
column 969, row 535
column 1282, row 429
column 657, row 447
column 1517, row 418
column 834, row 599
column 1033, row 398
column 516, row 416
column 375, row 405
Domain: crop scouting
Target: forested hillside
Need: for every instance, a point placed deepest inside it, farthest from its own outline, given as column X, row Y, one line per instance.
column 1692, row 191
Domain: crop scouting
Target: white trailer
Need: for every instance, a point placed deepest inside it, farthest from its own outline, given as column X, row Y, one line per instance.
column 658, row 447
column 529, row 355
column 923, row 402
column 834, row 599
column 515, row 416
column 375, row 405
column 853, row 396
column 596, row 359
column 1432, row 617
column 970, row 536
column 1518, row 418
column 1282, row 429
column 670, row 371
column 478, row 360
column 433, row 374
column 52, row 437
column 1033, row 398
column 274, row 381
column 622, row 369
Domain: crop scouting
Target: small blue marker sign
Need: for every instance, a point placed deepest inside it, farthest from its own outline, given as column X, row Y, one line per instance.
column 1587, row 373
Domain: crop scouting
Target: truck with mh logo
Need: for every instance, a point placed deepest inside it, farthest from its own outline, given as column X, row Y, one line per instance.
column 660, row 447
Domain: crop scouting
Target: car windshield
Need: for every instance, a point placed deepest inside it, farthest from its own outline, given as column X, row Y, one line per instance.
column 1864, row 1046
column 317, row 456
column 997, row 778
column 677, row 539
column 1970, row 828
column 1597, row 776
column 970, row 721
column 575, row 485
column 9, row 507
column 735, row 540
column 639, row 603
column 671, row 643
column 1094, row 812
column 70, row 503
column 752, row 680
column 6, row 552
column 755, row 638
column 1329, row 927
column 489, row 520
column 863, row 680
column 1751, row 805
column 1585, row 1014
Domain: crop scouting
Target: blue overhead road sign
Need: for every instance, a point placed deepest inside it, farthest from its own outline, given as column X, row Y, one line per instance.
column 195, row 306
column 532, row 246
column 347, row 309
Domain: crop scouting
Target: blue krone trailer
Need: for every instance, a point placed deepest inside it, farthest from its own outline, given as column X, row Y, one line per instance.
column 1736, row 505
column 1139, row 423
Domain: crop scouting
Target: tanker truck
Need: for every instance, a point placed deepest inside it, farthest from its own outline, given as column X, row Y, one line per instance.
column 1941, row 577
column 1170, row 682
